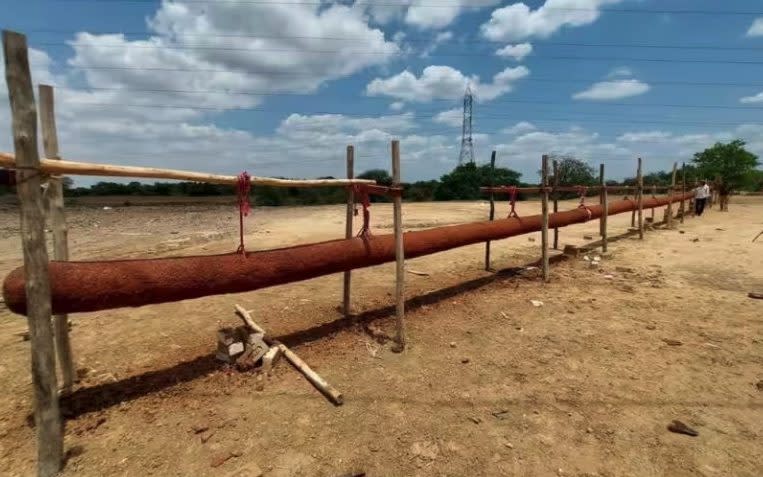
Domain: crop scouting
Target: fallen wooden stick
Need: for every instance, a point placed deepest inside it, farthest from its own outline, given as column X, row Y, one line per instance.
column 318, row 382
column 756, row 237
column 248, row 321
column 423, row 274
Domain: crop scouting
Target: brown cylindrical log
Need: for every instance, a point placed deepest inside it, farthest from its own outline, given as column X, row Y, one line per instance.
column 91, row 286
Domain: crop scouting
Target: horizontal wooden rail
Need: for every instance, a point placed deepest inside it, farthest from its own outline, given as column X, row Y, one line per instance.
column 60, row 167
column 538, row 189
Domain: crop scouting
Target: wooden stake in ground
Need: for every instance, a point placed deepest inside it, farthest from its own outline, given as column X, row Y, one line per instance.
column 640, row 199
column 399, row 251
column 683, row 191
column 544, row 211
column 348, row 232
column 60, row 231
column 492, row 208
column 654, row 193
column 672, row 189
column 605, row 209
column 47, row 415
column 556, row 201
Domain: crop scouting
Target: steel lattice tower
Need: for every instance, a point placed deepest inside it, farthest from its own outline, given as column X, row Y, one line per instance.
column 467, row 146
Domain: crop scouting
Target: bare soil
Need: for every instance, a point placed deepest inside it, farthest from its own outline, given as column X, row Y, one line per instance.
column 585, row 384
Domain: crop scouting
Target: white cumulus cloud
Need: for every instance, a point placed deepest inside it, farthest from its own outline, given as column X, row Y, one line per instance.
column 613, row 89
column 437, row 14
column 518, row 21
column 452, row 117
column 758, row 98
column 521, row 127
column 518, row 51
column 756, row 29
column 444, row 82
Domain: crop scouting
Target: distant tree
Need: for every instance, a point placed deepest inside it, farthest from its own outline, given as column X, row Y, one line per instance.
column 381, row 176
column 464, row 182
column 731, row 163
column 572, row 171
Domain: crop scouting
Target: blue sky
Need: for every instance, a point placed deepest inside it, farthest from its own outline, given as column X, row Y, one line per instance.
column 280, row 88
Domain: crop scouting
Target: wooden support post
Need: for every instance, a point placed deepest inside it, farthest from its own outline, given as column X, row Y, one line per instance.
column 544, row 211
column 47, row 416
column 492, row 209
column 640, row 199
column 399, row 251
column 605, row 209
column 654, row 193
column 60, row 231
column 672, row 189
column 683, row 191
column 348, row 231
column 556, row 201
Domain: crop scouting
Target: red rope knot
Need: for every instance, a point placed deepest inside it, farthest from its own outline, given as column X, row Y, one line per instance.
column 513, row 201
column 360, row 191
column 582, row 190
column 243, row 187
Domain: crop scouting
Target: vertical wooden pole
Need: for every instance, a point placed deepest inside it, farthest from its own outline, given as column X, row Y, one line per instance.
column 60, row 231
column 399, row 251
column 672, row 189
column 604, row 207
column 544, row 211
column 492, row 209
column 683, row 191
column 640, row 179
column 556, row 201
column 654, row 193
column 348, row 231
column 47, row 415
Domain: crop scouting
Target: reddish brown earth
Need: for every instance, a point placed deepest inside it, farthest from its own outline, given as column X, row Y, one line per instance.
column 585, row 384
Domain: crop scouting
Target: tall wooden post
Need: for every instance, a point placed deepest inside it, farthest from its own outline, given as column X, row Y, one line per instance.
column 654, row 193
column 492, row 208
column 348, row 231
column 555, row 164
column 672, row 189
column 544, row 211
column 640, row 179
column 683, row 191
column 399, row 251
column 604, row 207
column 60, row 230
column 47, row 415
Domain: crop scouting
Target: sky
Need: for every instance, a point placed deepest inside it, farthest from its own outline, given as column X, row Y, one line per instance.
column 280, row 88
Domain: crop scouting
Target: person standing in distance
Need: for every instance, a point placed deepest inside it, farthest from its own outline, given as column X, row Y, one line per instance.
column 701, row 194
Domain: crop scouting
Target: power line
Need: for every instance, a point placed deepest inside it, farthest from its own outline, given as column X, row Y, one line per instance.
column 165, row 106
column 503, row 101
column 381, row 53
column 415, row 40
column 435, row 5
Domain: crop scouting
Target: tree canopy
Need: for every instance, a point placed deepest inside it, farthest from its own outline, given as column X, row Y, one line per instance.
column 731, row 162
column 464, row 182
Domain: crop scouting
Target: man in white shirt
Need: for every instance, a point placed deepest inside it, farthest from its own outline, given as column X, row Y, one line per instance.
column 701, row 195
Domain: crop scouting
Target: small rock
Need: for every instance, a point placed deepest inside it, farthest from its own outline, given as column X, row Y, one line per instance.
column 589, row 430
column 624, row 269
column 586, row 258
column 670, row 342
column 475, row 420
column 199, row 428
column 588, row 237
column 651, row 327
column 609, row 277
column 530, row 239
column 681, row 232
column 759, row 385
column 452, row 344
column 680, row 428
column 536, row 303
column 224, row 457
column 500, row 415
column 695, row 240
column 597, row 258
column 464, row 360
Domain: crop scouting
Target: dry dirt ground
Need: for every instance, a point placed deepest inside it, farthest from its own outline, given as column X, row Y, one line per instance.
column 491, row 385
